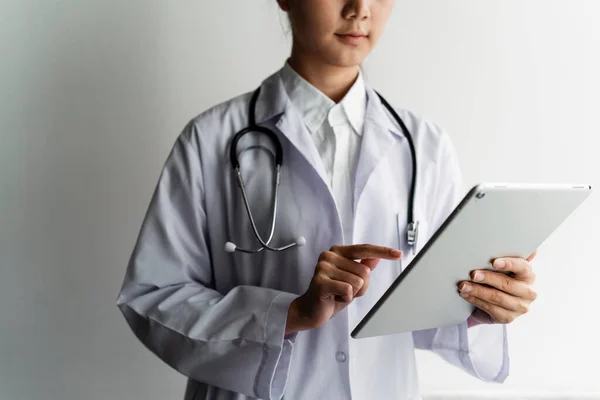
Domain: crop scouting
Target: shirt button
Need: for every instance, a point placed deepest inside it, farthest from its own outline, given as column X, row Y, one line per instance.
column 341, row 357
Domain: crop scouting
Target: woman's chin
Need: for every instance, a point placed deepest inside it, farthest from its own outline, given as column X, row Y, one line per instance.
column 347, row 58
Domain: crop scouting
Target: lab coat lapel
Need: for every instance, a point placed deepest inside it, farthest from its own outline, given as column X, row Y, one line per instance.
column 293, row 128
column 380, row 134
column 274, row 106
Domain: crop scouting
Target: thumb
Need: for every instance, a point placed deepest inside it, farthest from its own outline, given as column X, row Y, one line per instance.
column 532, row 256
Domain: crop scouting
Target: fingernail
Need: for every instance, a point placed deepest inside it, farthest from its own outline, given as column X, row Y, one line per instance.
column 466, row 289
column 464, row 294
column 499, row 264
column 396, row 253
column 478, row 277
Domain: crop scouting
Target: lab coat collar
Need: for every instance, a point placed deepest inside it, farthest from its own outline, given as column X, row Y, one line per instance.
column 380, row 131
column 314, row 106
column 377, row 115
column 275, row 108
column 273, row 102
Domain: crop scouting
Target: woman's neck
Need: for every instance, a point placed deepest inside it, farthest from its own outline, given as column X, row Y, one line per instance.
column 333, row 81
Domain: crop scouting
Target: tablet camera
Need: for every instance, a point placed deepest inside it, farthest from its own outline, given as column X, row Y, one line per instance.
column 480, row 195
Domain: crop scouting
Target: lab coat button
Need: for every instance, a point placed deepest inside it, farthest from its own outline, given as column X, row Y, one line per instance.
column 341, row 357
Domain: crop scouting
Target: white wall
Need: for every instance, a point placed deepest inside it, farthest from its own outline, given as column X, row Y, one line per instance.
column 94, row 93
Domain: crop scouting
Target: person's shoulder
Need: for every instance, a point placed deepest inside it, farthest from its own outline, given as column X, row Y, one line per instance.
column 423, row 127
column 225, row 116
column 429, row 137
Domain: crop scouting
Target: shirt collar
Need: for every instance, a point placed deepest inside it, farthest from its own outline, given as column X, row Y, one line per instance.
column 314, row 106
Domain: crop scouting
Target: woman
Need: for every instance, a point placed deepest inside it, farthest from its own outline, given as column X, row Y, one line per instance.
column 275, row 324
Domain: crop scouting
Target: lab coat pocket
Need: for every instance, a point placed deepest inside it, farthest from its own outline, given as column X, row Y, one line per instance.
column 422, row 238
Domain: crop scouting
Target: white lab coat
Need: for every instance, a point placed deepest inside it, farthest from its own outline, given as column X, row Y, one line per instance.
column 219, row 318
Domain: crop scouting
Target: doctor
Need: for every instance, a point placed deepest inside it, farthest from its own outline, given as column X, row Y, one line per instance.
column 276, row 324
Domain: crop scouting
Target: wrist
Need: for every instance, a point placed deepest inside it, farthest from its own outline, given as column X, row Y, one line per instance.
column 478, row 317
column 291, row 325
column 295, row 321
column 471, row 321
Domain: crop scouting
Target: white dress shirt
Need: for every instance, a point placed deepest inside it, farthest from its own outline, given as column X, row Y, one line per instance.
column 336, row 130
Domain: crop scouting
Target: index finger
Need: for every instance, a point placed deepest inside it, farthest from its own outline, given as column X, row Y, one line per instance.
column 362, row 251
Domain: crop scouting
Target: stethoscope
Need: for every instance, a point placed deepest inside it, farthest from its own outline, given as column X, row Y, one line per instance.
column 413, row 226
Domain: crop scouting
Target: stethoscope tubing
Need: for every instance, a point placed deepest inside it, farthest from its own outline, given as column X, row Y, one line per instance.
column 412, row 231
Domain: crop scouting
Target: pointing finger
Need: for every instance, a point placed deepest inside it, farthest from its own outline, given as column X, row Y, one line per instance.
column 362, row 251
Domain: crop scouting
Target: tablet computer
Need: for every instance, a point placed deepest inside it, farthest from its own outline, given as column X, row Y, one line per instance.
column 493, row 220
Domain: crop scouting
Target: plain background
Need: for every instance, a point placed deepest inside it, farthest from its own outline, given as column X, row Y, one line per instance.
column 94, row 93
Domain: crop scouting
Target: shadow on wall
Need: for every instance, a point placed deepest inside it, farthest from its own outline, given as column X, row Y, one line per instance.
column 87, row 127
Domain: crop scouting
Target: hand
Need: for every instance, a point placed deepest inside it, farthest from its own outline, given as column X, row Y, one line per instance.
column 338, row 280
column 505, row 297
